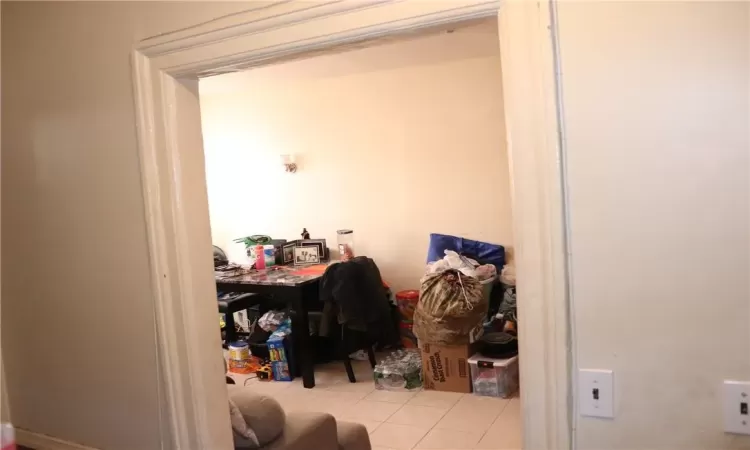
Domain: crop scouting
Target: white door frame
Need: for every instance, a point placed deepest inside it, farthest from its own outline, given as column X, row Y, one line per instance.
column 166, row 71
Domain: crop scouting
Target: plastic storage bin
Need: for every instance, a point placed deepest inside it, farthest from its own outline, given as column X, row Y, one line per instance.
column 494, row 377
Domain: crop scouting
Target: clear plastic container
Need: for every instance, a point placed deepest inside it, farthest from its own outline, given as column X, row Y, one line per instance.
column 494, row 377
column 269, row 255
column 346, row 244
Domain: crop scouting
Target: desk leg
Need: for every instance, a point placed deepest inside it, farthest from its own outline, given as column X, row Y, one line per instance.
column 301, row 327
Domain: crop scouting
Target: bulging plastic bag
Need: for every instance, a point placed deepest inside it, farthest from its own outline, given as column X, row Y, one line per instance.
column 508, row 275
column 453, row 260
column 451, row 309
column 466, row 265
column 437, row 266
column 486, row 272
column 271, row 320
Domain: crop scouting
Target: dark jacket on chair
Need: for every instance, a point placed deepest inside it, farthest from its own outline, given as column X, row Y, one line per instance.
column 355, row 297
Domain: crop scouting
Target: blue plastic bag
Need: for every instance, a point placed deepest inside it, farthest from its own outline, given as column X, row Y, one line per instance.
column 482, row 252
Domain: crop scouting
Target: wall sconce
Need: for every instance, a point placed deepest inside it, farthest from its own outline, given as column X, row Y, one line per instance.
column 289, row 165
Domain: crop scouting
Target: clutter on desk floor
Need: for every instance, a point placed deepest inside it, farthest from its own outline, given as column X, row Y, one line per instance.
column 276, row 351
column 272, row 320
column 264, row 372
column 494, row 377
column 281, row 371
column 279, row 350
column 279, row 344
column 399, row 371
column 239, row 357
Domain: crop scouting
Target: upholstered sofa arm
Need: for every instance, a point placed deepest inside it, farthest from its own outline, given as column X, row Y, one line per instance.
column 307, row 431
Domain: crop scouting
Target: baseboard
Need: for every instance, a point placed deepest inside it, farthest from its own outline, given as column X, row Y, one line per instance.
column 43, row 442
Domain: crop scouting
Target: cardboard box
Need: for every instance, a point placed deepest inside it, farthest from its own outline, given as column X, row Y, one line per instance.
column 276, row 348
column 446, row 368
column 281, row 371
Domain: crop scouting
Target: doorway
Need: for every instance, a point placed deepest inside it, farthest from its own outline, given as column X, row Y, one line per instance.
column 167, row 69
column 395, row 139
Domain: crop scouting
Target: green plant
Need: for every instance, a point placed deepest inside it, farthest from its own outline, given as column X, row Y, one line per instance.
column 252, row 241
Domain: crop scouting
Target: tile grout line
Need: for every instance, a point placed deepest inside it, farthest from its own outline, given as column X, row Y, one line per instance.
column 493, row 423
column 434, row 425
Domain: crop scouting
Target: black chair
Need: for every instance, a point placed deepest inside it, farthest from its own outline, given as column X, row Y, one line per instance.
column 232, row 303
column 350, row 342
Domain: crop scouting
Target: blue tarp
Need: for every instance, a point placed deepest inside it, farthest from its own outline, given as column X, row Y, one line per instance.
column 482, row 252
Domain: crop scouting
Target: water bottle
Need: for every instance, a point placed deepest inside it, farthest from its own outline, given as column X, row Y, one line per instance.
column 7, row 437
column 260, row 260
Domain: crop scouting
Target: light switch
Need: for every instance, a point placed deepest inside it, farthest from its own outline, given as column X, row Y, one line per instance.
column 736, row 400
column 596, row 393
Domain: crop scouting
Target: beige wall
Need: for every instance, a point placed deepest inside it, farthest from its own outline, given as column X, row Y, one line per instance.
column 657, row 99
column 656, row 113
column 395, row 141
column 78, row 335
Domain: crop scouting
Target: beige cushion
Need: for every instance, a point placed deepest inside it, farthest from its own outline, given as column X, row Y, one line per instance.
column 262, row 414
column 307, row 431
column 353, row 436
column 247, row 437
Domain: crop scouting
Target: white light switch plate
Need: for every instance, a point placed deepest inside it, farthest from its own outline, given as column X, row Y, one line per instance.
column 735, row 394
column 596, row 394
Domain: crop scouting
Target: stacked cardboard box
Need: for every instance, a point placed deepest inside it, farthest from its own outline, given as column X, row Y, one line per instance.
column 277, row 350
column 446, row 368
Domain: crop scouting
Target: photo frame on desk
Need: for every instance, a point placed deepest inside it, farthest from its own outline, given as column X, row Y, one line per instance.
column 287, row 252
column 306, row 255
column 278, row 253
column 320, row 243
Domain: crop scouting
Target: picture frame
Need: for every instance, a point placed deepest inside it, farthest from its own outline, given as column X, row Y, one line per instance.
column 278, row 254
column 287, row 252
column 306, row 255
column 320, row 243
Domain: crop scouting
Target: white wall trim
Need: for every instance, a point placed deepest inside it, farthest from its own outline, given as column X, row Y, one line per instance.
column 168, row 120
column 529, row 75
column 43, row 442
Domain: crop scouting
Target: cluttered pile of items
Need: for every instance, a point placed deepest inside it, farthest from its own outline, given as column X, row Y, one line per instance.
column 269, row 358
column 464, row 322
column 264, row 251
column 458, row 331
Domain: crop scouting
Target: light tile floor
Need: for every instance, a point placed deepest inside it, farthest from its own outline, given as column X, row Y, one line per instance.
column 402, row 420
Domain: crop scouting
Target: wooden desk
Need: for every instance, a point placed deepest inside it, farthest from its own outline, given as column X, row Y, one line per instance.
column 296, row 286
